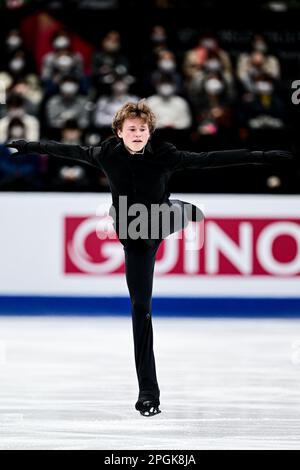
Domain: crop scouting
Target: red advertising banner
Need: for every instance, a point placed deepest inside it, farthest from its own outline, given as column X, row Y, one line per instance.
column 257, row 246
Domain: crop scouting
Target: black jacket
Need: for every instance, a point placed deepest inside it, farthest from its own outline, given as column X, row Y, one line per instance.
column 143, row 178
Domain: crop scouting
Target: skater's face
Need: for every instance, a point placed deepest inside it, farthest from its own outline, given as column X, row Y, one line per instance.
column 135, row 134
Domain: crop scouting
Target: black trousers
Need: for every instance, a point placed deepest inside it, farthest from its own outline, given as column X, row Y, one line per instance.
column 139, row 267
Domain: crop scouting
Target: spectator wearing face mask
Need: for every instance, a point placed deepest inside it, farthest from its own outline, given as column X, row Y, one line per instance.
column 65, row 175
column 108, row 61
column 172, row 110
column 158, row 39
column 15, row 109
column 60, row 62
column 15, row 174
column 257, row 61
column 16, row 129
column 107, row 105
column 157, row 43
column 213, row 106
column 212, row 65
column 67, row 104
column 12, row 44
column 263, row 108
column 194, row 59
column 166, row 67
column 31, row 92
column 17, row 70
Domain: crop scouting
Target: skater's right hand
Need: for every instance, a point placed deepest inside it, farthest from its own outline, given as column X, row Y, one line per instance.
column 19, row 145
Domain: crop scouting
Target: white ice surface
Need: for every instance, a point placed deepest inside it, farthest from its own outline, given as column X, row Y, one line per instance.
column 70, row 383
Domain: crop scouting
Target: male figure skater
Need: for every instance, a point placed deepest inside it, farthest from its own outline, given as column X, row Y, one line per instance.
column 138, row 166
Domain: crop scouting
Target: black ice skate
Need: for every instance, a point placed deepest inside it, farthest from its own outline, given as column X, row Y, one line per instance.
column 148, row 407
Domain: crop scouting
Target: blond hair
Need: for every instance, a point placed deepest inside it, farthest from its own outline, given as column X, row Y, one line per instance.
column 131, row 111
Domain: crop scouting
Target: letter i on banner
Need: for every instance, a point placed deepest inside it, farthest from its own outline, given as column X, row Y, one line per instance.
column 2, row 92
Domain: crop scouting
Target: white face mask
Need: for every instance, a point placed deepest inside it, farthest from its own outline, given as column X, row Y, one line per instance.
column 166, row 89
column 264, row 87
column 111, row 46
column 13, row 42
column 69, row 88
column 16, row 64
column 71, row 173
column 120, row 87
column 167, row 65
column 213, row 65
column 64, row 62
column 213, row 86
column 208, row 44
column 260, row 46
column 61, row 42
column 16, row 132
column 158, row 38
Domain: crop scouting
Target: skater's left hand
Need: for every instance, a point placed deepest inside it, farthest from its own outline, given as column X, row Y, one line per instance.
column 277, row 156
column 19, row 145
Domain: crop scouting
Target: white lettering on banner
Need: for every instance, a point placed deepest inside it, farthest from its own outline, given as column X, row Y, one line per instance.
column 219, row 242
column 265, row 245
column 232, row 247
column 170, row 255
column 79, row 256
column 192, row 245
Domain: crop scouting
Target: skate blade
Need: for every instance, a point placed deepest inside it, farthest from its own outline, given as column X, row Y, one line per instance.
column 152, row 412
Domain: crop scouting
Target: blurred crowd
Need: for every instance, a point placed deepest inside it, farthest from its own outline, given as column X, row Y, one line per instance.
column 98, row 4
column 203, row 100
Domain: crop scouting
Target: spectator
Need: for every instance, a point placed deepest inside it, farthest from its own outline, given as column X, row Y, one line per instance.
column 15, row 109
column 107, row 105
column 256, row 62
column 67, row 104
column 212, row 65
column 262, row 109
column 213, row 106
column 172, row 110
column 68, row 175
column 62, row 61
column 16, row 129
column 18, row 70
column 31, row 92
column 16, row 174
column 16, row 66
column 108, row 61
column 13, row 43
column 158, row 43
column 195, row 58
column 166, row 68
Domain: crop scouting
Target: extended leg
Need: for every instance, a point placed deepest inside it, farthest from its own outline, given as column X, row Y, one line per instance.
column 181, row 214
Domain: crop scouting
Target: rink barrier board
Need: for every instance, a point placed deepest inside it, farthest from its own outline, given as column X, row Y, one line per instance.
column 50, row 247
column 162, row 306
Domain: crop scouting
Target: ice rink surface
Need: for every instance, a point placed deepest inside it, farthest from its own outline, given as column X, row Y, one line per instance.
column 70, row 383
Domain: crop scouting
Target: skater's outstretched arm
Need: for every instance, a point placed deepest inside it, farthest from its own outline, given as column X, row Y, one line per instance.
column 181, row 160
column 85, row 154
